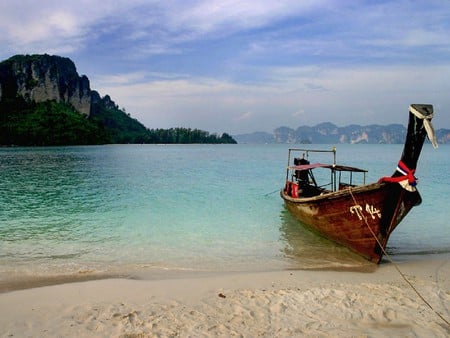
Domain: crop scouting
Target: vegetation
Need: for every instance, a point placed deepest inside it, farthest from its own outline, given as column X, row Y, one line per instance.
column 120, row 127
column 186, row 135
column 124, row 129
column 51, row 123
column 46, row 123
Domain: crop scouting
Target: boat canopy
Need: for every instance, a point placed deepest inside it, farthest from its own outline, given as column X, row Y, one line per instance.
column 335, row 167
column 301, row 173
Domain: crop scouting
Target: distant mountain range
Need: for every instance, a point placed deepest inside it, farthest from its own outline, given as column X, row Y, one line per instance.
column 329, row 133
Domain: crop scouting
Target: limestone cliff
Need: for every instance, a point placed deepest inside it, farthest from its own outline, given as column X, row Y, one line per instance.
column 328, row 133
column 43, row 101
column 40, row 78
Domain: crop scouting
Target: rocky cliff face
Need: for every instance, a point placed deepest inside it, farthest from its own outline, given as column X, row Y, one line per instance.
column 328, row 133
column 44, row 77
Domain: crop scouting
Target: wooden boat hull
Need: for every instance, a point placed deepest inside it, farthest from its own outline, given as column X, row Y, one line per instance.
column 360, row 218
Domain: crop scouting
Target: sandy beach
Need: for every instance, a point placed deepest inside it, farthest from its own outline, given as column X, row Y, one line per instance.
column 266, row 304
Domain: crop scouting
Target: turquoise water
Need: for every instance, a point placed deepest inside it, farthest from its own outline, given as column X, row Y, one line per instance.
column 121, row 208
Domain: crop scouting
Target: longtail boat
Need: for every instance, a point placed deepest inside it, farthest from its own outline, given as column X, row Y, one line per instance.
column 358, row 216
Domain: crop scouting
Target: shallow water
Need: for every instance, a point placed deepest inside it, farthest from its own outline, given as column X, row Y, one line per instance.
column 121, row 208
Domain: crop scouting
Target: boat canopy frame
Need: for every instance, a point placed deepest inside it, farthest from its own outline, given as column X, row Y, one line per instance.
column 293, row 172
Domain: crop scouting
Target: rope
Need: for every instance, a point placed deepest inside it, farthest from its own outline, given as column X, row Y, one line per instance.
column 427, row 123
column 397, row 267
column 270, row 193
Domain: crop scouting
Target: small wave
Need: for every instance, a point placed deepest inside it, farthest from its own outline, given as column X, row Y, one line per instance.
column 424, row 252
column 64, row 256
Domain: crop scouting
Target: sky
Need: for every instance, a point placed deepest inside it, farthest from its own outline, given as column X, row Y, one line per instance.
column 239, row 66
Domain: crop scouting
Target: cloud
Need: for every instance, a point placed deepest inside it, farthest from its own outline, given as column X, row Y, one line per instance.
column 315, row 31
column 159, row 25
column 27, row 26
column 205, row 17
column 237, row 66
column 298, row 114
column 342, row 96
column 244, row 116
column 121, row 79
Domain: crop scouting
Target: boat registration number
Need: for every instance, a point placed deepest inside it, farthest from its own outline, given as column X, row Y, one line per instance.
column 360, row 212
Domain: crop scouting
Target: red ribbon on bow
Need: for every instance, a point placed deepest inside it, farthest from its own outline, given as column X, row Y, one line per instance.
column 408, row 175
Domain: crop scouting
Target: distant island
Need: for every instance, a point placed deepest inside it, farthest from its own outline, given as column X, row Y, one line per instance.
column 329, row 133
column 43, row 102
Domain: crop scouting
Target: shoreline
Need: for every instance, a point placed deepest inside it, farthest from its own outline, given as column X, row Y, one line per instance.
column 24, row 282
column 277, row 303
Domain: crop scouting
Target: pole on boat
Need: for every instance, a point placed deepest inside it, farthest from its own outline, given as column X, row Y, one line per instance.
column 419, row 126
column 334, row 156
column 288, row 163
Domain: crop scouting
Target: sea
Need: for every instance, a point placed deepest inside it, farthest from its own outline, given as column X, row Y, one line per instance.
column 128, row 209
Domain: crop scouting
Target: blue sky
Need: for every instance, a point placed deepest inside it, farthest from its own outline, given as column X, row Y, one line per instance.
column 242, row 66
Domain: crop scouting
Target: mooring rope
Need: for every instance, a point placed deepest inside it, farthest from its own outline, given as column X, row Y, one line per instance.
column 270, row 193
column 397, row 267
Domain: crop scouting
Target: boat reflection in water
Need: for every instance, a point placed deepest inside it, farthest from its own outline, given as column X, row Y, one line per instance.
column 306, row 250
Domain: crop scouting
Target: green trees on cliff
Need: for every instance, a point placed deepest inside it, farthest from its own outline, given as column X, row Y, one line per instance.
column 51, row 123
column 46, row 123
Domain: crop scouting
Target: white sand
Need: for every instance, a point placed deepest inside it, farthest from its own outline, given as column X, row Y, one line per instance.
column 274, row 304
